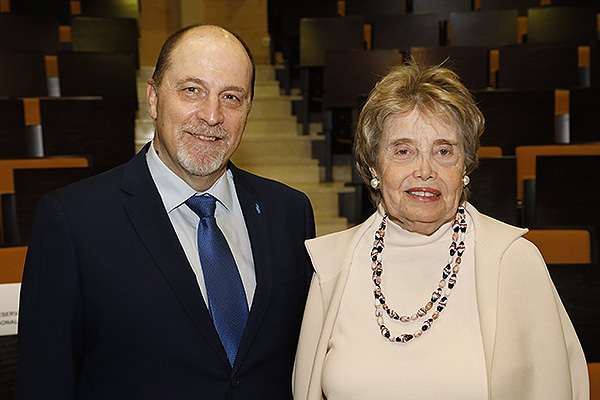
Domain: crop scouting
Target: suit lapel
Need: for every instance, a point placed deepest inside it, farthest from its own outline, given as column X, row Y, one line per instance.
column 256, row 216
column 147, row 214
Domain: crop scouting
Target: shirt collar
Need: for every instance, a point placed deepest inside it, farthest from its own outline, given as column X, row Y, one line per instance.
column 174, row 191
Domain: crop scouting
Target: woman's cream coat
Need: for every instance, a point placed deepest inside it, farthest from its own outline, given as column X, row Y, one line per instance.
column 531, row 349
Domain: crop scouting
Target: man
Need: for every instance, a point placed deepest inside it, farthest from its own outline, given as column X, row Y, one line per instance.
column 117, row 300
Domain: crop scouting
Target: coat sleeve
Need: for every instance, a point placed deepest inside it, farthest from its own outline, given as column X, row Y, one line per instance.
column 50, row 313
column 537, row 355
column 576, row 357
column 310, row 334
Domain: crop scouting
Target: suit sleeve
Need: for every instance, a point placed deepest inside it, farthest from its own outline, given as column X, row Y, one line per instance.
column 50, row 314
column 310, row 233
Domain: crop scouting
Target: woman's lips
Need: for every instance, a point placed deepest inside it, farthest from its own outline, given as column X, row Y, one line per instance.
column 426, row 194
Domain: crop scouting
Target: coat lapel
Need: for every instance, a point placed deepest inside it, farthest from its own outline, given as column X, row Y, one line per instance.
column 147, row 214
column 256, row 216
column 490, row 238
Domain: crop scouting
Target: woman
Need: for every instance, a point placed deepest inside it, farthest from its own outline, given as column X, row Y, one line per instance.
column 428, row 298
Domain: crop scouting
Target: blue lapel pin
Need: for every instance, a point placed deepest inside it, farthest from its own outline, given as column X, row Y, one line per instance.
column 257, row 208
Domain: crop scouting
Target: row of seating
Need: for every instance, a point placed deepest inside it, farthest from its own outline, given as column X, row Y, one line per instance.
column 65, row 9
column 331, row 92
column 46, row 34
column 61, row 108
column 84, row 55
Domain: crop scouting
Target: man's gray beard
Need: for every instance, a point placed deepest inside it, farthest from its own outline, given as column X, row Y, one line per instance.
column 196, row 160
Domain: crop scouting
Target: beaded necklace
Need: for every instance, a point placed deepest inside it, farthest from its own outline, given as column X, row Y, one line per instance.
column 449, row 273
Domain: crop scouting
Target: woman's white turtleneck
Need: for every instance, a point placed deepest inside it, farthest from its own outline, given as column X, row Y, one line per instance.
column 446, row 362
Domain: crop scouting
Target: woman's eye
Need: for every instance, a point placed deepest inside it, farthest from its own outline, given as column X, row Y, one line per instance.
column 402, row 151
column 192, row 89
column 445, row 152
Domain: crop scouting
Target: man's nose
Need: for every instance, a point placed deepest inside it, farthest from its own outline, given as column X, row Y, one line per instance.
column 210, row 110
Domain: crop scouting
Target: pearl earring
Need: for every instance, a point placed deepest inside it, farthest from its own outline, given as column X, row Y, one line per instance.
column 375, row 183
column 466, row 180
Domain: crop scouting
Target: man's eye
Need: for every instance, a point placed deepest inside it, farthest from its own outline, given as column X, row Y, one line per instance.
column 191, row 89
column 230, row 97
column 444, row 152
column 402, row 151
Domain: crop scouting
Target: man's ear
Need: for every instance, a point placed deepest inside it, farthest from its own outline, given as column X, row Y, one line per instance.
column 152, row 98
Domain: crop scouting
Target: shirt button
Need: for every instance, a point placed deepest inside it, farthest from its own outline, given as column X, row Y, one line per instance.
column 235, row 382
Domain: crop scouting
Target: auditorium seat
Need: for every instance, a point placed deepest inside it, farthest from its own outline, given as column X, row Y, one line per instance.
column 489, row 29
column 405, row 31
column 58, row 8
column 12, row 260
column 317, row 36
column 527, row 159
column 574, row 24
column 111, row 8
column 101, row 129
column 105, row 35
column 12, row 129
column 517, row 117
column 370, row 8
column 111, row 75
column 567, row 190
column 32, row 184
column 342, row 89
column 493, row 188
column 22, row 74
column 284, row 28
column 584, row 118
column 594, row 371
column 520, row 5
column 489, row 151
column 470, row 63
column 539, row 66
column 576, row 286
column 442, row 7
column 563, row 245
column 595, row 64
column 575, row 3
column 9, row 231
column 29, row 33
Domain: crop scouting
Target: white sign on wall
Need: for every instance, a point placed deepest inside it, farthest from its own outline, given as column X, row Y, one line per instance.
column 9, row 308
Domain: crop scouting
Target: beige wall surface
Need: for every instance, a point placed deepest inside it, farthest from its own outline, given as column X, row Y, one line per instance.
column 159, row 18
column 247, row 18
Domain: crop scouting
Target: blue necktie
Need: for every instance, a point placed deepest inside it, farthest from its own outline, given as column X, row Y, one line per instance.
column 226, row 297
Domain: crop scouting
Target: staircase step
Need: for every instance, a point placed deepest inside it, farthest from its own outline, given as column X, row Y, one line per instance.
column 265, row 73
column 280, row 125
column 273, row 147
column 330, row 225
column 273, row 106
column 341, row 173
column 290, row 171
column 266, row 89
column 324, row 197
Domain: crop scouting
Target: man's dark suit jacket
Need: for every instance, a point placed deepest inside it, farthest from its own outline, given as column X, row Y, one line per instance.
column 111, row 309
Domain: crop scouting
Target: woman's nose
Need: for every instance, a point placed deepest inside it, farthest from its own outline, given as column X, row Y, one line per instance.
column 424, row 169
